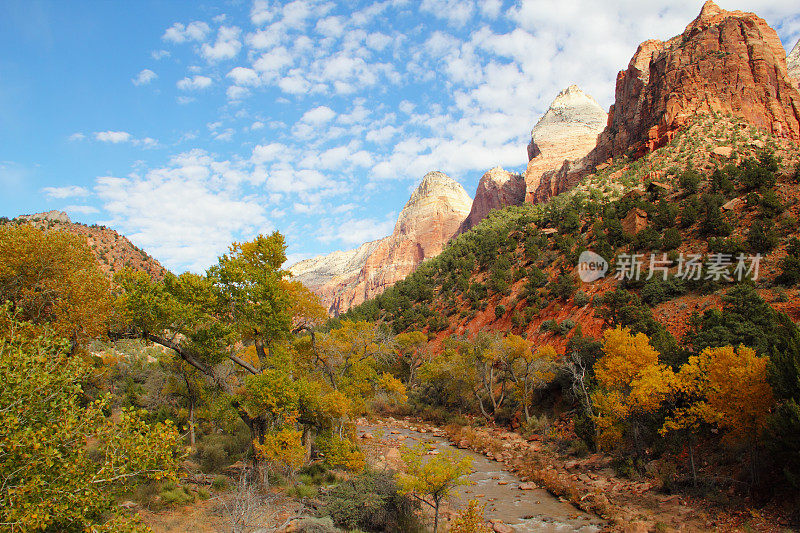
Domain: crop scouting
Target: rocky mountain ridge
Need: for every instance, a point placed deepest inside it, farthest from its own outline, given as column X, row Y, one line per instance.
column 433, row 214
column 112, row 250
column 793, row 64
column 725, row 63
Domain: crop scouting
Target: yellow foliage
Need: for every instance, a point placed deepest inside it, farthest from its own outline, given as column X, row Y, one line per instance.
column 470, row 519
column 282, row 449
column 624, row 357
column 632, row 383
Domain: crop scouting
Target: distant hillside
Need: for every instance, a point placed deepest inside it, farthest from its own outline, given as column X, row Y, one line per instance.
column 112, row 250
column 710, row 190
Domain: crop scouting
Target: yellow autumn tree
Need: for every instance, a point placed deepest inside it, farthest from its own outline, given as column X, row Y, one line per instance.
column 51, row 278
column 633, row 385
column 530, row 369
column 727, row 388
column 432, row 479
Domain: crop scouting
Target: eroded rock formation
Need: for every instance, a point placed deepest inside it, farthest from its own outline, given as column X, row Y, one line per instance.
column 430, row 218
column 567, row 132
column 724, row 62
column 793, row 64
column 727, row 62
column 497, row 188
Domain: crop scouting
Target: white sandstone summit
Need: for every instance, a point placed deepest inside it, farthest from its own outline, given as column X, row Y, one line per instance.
column 793, row 64
column 430, row 218
column 567, row 132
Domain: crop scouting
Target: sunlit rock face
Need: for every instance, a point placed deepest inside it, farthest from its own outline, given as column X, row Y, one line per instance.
column 430, row 218
column 567, row 132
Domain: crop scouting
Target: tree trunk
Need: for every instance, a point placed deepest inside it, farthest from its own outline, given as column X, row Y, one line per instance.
column 191, row 424
column 691, row 461
column 435, row 516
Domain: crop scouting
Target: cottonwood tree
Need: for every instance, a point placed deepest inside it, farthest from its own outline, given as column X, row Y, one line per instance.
column 411, row 349
column 530, row 369
column 432, row 479
column 51, row 278
column 63, row 459
column 208, row 320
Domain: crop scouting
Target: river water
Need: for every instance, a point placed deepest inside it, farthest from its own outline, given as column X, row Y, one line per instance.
column 524, row 510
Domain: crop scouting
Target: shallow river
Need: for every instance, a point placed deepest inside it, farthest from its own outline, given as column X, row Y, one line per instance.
column 524, row 510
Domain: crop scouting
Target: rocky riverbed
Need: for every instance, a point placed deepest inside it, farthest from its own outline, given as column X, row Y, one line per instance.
column 512, row 505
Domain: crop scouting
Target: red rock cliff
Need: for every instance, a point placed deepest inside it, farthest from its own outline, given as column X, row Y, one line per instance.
column 724, row 62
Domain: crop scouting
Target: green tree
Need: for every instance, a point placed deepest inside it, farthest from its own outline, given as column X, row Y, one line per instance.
column 63, row 457
column 432, row 479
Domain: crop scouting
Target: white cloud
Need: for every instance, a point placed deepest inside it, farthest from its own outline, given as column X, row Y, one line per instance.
column 455, row 12
column 159, row 54
column 185, row 213
column 77, row 136
column 257, row 125
column 183, row 100
column 227, row 45
column 330, row 26
column 244, row 76
column 194, row 83
column 144, row 77
column 353, row 232
column 318, row 115
column 234, row 92
column 68, row 191
column 261, row 12
column 112, row 136
column 194, row 31
column 81, row 209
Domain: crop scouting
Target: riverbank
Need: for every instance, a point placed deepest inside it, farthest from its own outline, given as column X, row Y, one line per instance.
column 589, row 483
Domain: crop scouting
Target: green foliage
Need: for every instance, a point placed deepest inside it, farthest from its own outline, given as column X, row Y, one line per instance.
column 762, row 237
column 580, row 299
column 500, row 311
column 671, row 239
column 689, row 181
column 790, row 264
column 370, row 502
column 63, row 458
column 563, row 287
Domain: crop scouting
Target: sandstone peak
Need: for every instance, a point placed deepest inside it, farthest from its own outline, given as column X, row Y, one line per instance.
column 430, row 218
column 793, row 64
column 497, row 188
column 567, row 131
column 55, row 216
column 437, row 193
column 572, row 113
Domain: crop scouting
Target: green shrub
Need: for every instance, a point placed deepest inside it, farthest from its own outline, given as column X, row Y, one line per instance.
column 370, row 501
column 671, row 239
column 689, row 181
column 219, row 483
column 790, row 264
column 549, row 325
column 566, row 326
column 499, row 311
column 580, row 298
column 762, row 237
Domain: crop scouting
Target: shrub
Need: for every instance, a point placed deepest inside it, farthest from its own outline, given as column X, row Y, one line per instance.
column 770, row 205
column 566, row 326
column 219, row 483
column 580, row 298
column 671, row 239
column 563, row 287
column 370, row 501
column 548, row 325
column 689, row 181
column 499, row 311
column 790, row 264
column 761, row 237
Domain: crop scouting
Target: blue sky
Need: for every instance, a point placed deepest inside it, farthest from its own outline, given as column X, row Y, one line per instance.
column 188, row 125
